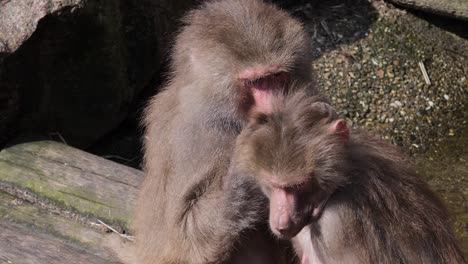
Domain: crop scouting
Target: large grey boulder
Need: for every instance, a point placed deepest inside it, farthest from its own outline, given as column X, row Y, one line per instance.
column 19, row 18
column 74, row 69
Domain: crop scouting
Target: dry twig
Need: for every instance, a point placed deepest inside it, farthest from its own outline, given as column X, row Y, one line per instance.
column 424, row 72
column 130, row 238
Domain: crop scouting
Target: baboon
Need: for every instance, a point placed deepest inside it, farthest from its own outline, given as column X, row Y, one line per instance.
column 231, row 58
column 342, row 196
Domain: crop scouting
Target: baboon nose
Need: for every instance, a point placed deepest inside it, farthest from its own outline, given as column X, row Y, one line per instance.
column 285, row 226
column 288, row 231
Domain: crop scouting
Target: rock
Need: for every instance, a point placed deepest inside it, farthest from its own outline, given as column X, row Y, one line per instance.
column 148, row 27
column 453, row 8
column 71, row 75
column 380, row 74
column 78, row 68
column 19, row 19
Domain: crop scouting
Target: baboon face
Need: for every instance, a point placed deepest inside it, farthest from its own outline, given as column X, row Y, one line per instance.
column 246, row 54
column 297, row 156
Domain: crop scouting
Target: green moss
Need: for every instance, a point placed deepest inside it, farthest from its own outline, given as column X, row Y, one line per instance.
column 28, row 167
column 34, row 218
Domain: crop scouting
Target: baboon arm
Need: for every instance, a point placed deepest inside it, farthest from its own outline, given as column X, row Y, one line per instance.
column 214, row 217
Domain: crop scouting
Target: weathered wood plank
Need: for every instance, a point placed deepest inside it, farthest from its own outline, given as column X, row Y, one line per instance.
column 70, row 229
column 19, row 245
column 73, row 178
column 453, row 8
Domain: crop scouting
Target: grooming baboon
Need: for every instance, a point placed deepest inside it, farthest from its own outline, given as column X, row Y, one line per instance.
column 355, row 198
column 231, row 58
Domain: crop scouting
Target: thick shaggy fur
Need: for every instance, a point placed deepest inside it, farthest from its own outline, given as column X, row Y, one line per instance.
column 380, row 211
column 183, row 214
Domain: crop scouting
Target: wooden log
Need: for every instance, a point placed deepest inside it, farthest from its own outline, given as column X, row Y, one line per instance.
column 67, row 228
column 72, row 179
column 452, row 8
column 21, row 245
column 62, row 191
column 29, row 234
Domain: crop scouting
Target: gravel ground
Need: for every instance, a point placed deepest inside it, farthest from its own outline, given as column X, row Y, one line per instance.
column 368, row 61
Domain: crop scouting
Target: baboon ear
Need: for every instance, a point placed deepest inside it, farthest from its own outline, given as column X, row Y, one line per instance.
column 340, row 128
